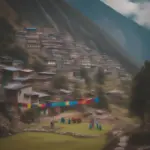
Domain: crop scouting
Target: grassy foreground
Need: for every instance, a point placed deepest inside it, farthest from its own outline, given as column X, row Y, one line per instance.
column 83, row 129
column 47, row 141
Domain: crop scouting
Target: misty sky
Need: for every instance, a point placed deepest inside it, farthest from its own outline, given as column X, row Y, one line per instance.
column 138, row 10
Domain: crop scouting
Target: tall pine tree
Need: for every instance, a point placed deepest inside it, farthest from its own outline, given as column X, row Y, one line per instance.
column 140, row 94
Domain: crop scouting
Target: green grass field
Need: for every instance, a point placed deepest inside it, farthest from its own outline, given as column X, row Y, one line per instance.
column 77, row 128
column 47, row 141
column 83, row 128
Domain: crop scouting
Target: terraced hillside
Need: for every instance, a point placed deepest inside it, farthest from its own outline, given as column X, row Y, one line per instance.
column 63, row 17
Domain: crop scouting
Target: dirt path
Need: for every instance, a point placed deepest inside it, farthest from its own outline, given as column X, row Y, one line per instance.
column 66, row 115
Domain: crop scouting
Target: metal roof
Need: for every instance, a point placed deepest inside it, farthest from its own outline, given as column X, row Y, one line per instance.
column 22, row 78
column 15, row 86
column 47, row 73
column 37, row 93
column 11, row 68
column 27, row 70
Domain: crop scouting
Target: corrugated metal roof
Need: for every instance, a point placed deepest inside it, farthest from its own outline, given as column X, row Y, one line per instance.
column 15, row 86
column 27, row 70
column 47, row 73
column 11, row 68
column 37, row 93
column 22, row 78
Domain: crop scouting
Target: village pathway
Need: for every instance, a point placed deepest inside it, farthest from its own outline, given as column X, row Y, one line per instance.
column 65, row 115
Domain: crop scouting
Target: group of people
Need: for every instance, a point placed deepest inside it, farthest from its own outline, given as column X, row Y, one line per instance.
column 94, row 122
column 63, row 120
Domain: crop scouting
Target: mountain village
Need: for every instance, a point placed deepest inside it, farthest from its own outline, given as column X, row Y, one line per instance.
column 63, row 56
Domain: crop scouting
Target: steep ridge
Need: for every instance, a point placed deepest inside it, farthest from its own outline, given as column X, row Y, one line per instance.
column 8, row 13
column 131, row 36
column 62, row 16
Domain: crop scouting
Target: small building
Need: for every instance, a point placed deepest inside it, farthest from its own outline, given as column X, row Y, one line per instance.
column 30, row 30
column 69, row 73
column 15, row 93
column 38, row 97
column 9, row 73
column 23, row 80
column 18, row 63
column 41, row 83
column 52, row 63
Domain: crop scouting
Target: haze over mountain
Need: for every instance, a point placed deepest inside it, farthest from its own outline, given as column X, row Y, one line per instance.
column 132, row 37
column 63, row 17
column 137, row 10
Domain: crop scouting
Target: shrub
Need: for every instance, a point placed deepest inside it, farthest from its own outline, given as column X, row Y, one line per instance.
column 140, row 138
column 30, row 115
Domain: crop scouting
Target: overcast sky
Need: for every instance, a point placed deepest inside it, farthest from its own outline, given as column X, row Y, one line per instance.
column 140, row 11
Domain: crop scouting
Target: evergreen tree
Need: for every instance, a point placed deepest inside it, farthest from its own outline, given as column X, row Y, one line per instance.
column 100, row 76
column 103, row 104
column 60, row 82
column 140, row 94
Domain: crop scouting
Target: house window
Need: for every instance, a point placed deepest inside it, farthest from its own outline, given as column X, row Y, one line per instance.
column 26, row 96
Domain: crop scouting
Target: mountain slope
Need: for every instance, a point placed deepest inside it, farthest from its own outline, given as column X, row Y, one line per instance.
column 132, row 37
column 8, row 13
column 63, row 17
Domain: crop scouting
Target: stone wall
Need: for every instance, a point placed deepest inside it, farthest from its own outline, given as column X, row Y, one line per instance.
column 61, row 133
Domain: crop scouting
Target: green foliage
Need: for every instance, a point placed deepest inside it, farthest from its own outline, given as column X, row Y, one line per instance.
column 84, row 73
column 140, row 94
column 88, row 82
column 60, row 82
column 85, row 76
column 103, row 104
column 38, row 66
column 16, row 52
column 30, row 115
column 77, row 91
column 7, row 45
column 7, row 32
column 100, row 76
column 139, row 138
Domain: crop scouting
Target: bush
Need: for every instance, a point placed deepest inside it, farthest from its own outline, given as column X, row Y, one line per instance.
column 30, row 115
column 140, row 138
column 38, row 66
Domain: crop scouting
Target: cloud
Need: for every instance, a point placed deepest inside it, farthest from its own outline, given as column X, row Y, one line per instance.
column 140, row 11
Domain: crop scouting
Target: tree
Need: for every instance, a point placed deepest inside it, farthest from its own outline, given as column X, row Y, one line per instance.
column 140, row 94
column 38, row 66
column 7, row 33
column 83, row 73
column 60, row 82
column 103, row 104
column 88, row 82
column 30, row 115
column 16, row 52
column 126, row 86
column 77, row 90
column 100, row 76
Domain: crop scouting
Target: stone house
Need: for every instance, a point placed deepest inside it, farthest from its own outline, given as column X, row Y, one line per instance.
column 38, row 97
column 26, row 72
column 15, row 93
column 41, row 83
column 18, row 63
column 9, row 73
